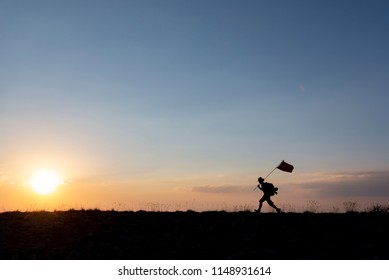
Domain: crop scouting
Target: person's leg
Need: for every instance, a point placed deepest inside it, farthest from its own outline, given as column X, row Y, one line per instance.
column 260, row 204
column 259, row 207
column 270, row 202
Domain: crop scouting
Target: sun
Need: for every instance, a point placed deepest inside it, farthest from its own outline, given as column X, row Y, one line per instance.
column 45, row 181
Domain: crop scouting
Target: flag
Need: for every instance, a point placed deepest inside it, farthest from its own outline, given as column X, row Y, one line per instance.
column 285, row 167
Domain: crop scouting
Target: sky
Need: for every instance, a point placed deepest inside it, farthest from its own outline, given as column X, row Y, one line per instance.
column 174, row 105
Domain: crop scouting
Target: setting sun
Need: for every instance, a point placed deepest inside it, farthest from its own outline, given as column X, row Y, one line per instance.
column 45, row 181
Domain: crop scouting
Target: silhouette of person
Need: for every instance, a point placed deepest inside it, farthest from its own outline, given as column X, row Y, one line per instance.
column 268, row 191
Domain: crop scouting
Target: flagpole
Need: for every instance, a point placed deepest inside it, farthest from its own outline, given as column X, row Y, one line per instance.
column 267, row 175
column 284, row 166
column 270, row 173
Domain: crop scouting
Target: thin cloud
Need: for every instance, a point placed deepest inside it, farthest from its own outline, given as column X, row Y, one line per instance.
column 356, row 184
column 6, row 181
column 220, row 189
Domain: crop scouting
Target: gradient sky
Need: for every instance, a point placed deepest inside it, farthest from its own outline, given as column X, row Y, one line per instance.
column 184, row 104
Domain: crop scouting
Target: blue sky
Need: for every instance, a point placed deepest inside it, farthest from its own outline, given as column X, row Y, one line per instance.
column 160, row 95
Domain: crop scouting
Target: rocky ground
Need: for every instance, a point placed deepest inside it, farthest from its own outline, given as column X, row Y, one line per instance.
column 93, row 234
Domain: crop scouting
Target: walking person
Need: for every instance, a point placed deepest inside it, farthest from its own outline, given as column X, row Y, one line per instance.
column 268, row 191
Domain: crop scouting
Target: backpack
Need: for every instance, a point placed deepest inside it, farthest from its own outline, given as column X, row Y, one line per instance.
column 269, row 189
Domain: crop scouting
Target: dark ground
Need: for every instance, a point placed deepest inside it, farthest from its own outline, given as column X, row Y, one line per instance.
column 93, row 234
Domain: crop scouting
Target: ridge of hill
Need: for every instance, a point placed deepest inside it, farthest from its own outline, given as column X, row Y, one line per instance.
column 94, row 234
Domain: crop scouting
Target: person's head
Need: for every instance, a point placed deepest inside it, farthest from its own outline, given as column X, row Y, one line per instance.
column 261, row 180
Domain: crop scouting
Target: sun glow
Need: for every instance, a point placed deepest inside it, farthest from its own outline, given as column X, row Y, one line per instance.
column 45, row 181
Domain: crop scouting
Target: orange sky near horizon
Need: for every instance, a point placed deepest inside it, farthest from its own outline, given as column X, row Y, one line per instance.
column 179, row 194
